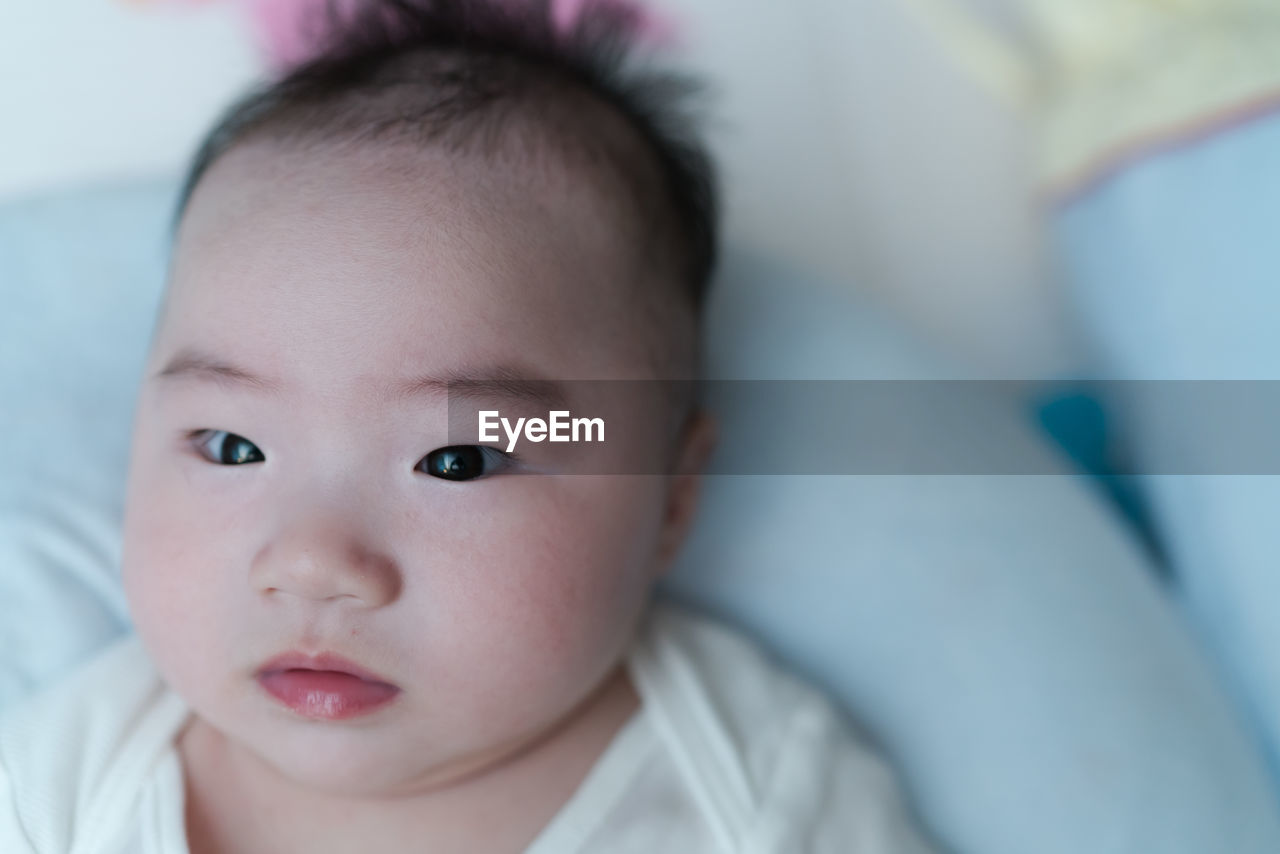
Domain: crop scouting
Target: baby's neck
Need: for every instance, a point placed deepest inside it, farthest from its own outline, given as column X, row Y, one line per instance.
column 236, row 803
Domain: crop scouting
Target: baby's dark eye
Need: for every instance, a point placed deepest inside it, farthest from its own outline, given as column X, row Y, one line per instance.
column 465, row 462
column 227, row 449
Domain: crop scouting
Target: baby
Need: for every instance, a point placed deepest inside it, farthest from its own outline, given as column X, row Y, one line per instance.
column 358, row 630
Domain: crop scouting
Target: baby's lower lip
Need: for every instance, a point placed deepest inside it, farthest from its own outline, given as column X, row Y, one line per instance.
column 326, row 694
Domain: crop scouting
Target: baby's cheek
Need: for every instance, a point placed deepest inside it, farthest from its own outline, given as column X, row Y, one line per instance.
column 149, row 544
column 158, row 548
column 163, row 570
column 579, row 569
column 550, row 585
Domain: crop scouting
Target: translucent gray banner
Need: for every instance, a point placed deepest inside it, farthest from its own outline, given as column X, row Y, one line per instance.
column 859, row 427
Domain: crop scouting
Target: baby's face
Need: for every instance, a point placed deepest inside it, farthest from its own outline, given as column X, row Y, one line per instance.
column 297, row 510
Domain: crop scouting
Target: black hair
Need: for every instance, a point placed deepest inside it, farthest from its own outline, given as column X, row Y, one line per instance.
column 453, row 72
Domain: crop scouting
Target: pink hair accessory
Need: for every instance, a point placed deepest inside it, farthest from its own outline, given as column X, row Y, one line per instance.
column 286, row 41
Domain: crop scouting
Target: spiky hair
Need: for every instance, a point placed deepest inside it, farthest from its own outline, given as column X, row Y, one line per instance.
column 476, row 74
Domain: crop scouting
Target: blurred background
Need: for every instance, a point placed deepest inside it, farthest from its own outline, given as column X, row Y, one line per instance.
column 1065, row 192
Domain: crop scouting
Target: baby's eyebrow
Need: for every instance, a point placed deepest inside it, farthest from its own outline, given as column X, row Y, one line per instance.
column 496, row 383
column 501, row 382
column 190, row 363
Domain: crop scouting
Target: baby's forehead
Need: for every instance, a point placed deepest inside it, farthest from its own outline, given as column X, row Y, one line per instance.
column 368, row 234
column 413, row 190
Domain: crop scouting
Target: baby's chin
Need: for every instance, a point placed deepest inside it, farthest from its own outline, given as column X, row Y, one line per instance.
column 323, row 759
column 371, row 760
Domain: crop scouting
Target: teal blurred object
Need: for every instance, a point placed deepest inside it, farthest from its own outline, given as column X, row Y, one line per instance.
column 1075, row 417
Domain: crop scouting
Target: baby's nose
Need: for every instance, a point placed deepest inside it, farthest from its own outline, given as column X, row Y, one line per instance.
column 324, row 557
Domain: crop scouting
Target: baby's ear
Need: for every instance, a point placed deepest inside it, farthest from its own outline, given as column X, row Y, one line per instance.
column 697, row 442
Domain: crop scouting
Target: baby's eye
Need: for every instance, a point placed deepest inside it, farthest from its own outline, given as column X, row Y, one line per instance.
column 227, row 449
column 465, row 462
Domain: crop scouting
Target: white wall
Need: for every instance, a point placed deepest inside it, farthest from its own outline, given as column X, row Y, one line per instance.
column 849, row 140
column 855, row 142
column 100, row 89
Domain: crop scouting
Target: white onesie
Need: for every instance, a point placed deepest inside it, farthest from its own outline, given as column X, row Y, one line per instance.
column 727, row 754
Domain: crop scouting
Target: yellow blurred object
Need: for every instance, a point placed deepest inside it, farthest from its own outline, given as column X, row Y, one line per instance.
column 1106, row 79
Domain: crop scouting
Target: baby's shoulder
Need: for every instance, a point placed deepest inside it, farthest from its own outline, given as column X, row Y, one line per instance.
column 683, row 657
column 704, row 673
column 771, row 755
column 74, row 755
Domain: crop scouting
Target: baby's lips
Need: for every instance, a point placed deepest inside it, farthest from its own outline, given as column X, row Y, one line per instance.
column 297, row 660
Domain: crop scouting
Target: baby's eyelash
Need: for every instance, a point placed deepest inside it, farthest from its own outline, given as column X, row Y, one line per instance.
column 199, row 439
column 450, row 462
column 468, row 462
